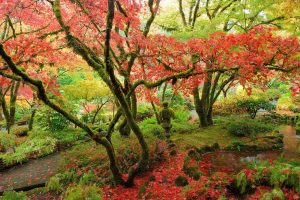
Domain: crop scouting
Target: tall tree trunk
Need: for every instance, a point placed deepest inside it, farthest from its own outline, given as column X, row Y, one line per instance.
column 31, row 120
column 134, row 105
column 124, row 128
column 155, row 112
column 34, row 107
column 210, row 116
column 203, row 105
column 12, row 104
column 164, row 92
column 6, row 114
column 113, row 162
column 5, row 108
column 200, row 109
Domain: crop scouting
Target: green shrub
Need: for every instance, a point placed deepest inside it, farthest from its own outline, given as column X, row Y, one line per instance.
column 242, row 182
column 60, row 181
column 68, row 136
column 227, row 106
column 278, row 175
column 181, row 115
column 278, row 194
column 273, row 94
column 32, row 148
column 6, row 141
column 244, row 127
column 54, row 184
column 251, row 106
column 150, row 126
column 19, row 130
column 51, row 120
column 22, row 113
column 12, row 195
column 88, row 178
column 144, row 111
column 149, row 120
column 80, row 192
column 294, row 108
column 182, row 127
column 237, row 145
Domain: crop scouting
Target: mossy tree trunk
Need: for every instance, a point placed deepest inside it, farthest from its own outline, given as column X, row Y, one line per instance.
column 213, row 85
column 155, row 112
column 9, row 109
column 34, row 107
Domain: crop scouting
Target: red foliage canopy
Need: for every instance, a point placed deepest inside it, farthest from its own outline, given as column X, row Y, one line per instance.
column 255, row 54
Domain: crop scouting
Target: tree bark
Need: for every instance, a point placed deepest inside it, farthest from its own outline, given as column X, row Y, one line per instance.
column 124, row 128
column 13, row 99
column 31, row 120
column 34, row 107
column 200, row 109
column 117, row 90
column 155, row 112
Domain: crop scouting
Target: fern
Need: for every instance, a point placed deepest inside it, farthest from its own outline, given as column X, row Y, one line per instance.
column 241, row 182
column 277, row 194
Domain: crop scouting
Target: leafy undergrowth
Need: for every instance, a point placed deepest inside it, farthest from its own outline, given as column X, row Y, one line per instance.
column 160, row 183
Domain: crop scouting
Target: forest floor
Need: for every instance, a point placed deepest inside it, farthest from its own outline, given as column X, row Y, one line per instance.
column 158, row 183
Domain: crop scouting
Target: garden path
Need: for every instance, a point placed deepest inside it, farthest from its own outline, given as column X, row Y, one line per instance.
column 30, row 175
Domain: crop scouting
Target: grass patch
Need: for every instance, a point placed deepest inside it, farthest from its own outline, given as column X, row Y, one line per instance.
column 205, row 136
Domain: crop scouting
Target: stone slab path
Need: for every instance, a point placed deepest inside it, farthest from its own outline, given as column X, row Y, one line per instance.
column 34, row 173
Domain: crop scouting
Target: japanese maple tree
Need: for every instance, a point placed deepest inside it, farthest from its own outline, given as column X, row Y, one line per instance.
column 108, row 35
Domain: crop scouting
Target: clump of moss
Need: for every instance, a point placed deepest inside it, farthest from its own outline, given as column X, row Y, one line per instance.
column 181, row 181
column 173, row 152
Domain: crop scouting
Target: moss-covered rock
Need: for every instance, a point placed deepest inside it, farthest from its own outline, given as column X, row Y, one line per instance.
column 264, row 143
column 197, row 175
column 181, row 181
column 173, row 152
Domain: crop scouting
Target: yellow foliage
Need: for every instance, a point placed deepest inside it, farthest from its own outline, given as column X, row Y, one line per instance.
column 87, row 89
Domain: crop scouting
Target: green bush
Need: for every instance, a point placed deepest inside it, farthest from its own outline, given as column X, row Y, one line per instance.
column 181, row 116
column 68, row 136
column 32, row 148
column 19, row 130
column 275, row 118
column 179, row 124
column 273, row 94
column 149, row 126
column 88, row 178
column 54, row 185
column 244, row 127
column 237, row 145
column 80, row 192
column 6, row 141
column 60, row 181
column 294, row 108
column 12, row 195
column 251, row 106
column 277, row 175
column 51, row 120
column 144, row 111
column 227, row 106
